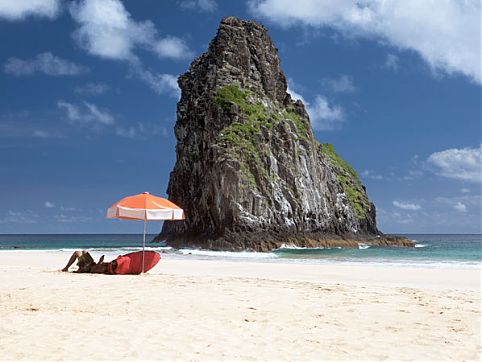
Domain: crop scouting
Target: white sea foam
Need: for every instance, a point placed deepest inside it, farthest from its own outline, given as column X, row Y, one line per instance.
column 421, row 264
column 363, row 246
column 131, row 248
column 273, row 258
column 228, row 254
column 107, row 250
column 290, row 246
column 296, row 247
column 421, row 245
column 63, row 250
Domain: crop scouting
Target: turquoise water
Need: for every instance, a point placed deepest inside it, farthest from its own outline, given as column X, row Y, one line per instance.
column 431, row 250
column 71, row 241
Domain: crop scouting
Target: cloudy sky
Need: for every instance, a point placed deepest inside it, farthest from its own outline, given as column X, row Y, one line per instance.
column 88, row 95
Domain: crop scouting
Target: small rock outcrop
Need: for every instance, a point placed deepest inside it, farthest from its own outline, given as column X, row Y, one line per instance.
column 249, row 173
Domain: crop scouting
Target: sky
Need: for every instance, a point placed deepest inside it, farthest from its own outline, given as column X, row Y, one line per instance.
column 88, row 97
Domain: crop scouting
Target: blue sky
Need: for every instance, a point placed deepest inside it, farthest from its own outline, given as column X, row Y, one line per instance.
column 88, row 98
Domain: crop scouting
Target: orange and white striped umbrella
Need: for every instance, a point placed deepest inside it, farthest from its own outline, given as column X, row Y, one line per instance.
column 145, row 207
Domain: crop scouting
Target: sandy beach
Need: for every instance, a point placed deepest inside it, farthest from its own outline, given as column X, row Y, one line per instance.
column 236, row 310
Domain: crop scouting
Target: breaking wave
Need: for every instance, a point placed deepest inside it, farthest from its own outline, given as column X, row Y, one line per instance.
column 228, row 254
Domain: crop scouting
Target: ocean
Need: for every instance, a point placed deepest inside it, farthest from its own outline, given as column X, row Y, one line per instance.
column 431, row 250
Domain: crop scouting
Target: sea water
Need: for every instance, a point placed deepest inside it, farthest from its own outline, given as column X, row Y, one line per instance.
column 445, row 250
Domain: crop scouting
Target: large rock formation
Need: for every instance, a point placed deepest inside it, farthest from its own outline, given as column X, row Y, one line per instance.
column 249, row 173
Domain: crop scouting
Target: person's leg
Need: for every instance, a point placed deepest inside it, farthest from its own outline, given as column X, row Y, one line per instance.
column 72, row 260
column 100, row 268
column 85, row 262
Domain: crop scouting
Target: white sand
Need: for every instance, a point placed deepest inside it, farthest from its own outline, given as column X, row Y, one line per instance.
column 219, row 310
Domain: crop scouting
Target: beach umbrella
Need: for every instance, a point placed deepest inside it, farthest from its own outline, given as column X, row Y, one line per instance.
column 145, row 207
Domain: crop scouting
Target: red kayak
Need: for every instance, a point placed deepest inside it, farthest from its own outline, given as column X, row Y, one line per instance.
column 132, row 263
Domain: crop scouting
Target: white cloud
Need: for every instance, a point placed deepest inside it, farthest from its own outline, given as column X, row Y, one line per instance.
column 406, row 205
column 98, row 115
column 392, row 62
column 106, row 29
column 25, row 124
column 460, row 207
column 47, row 134
column 413, row 175
column 440, row 215
column 172, row 47
column 295, row 95
column 371, row 175
column 159, row 83
column 20, row 217
column 92, row 89
column 394, row 216
column 86, row 114
column 130, row 132
column 204, row 5
column 343, row 84
column 460, row 203
column 446, row 34
column 461, row 164
column 21, row 9
column 464, row 190
column 323, row 115
column 48, row 204
column 71, row 219
column 139, row 131
column 91, row 117
column 63, row 208
column 46, row 63
column 73, row 112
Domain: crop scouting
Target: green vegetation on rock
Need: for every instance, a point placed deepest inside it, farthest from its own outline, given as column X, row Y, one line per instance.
column 244, row 147
column 293, row 117
column 349, row 180
column 258, row 113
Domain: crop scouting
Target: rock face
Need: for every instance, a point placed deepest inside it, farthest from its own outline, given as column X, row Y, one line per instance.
column 249, row 173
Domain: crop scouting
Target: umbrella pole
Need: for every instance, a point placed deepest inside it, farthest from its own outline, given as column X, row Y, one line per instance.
column 143, row 245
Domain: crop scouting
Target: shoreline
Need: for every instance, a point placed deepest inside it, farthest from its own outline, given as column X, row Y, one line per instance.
column 266, row 241
column 440, row 277
column 190, row 309
column 170, row 253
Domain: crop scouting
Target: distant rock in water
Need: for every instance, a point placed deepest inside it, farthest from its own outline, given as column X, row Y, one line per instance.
column 249, row 173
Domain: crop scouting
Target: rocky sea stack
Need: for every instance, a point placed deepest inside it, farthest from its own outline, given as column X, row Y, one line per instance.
column 249, row 173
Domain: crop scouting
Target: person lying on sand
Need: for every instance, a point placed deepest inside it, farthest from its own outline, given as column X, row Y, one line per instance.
column 86, row 263
column 124, row 264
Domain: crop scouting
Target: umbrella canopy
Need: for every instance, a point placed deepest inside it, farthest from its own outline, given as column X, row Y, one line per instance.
column 145, row 207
